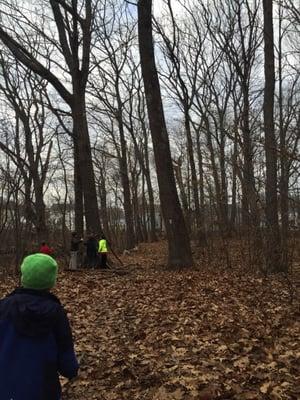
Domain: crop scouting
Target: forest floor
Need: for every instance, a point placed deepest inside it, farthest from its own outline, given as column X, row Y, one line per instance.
column 144, row 332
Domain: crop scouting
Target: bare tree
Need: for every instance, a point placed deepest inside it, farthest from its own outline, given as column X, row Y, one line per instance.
column 178, row 241
column 273, row 236
column 114, row 38
column 139, row 131
column 182, row 60
column 25, row 94
column 234, row 27
column 71, row 44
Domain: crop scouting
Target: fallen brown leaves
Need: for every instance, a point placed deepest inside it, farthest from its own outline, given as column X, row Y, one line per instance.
column 202, row 334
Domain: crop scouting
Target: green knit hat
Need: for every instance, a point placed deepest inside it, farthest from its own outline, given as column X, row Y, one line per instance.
column 39, row 271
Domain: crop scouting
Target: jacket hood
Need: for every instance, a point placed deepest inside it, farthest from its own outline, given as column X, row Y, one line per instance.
column 32, row 312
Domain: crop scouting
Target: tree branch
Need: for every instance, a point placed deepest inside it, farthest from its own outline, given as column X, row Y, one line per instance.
column 27, row 59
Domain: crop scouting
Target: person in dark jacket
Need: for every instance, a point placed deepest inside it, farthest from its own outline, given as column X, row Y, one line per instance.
column 91, row 258
column 75, row 242
column 35, row 336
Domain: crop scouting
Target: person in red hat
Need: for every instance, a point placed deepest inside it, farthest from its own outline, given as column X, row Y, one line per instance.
column 45, row 249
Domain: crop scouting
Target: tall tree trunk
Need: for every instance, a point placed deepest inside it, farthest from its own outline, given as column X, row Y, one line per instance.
column 41, row 226
column 37, row 179
column 180, row 254
column 145, row 217
column 130, row 235
column 234, row 181
column 273, row 262
column 250, row 210
column 195, row 189
column 201, row 185
column 223, row 181
column 152, row 231
column 103, row 204
column 284, row 172
column 136, row 207
column 64, row 211
column 78, row 193
column 182, row 193
column 85, row 163
column 250, row 200
column 153, row 236
column 143, row 157
column 218, row 189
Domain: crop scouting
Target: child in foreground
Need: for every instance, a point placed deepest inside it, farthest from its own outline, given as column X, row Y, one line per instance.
column 35, row 337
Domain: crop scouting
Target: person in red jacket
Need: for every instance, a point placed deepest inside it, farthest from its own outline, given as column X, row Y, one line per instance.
column 45, row 249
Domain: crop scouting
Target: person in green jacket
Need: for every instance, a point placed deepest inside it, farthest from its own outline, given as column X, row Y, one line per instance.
column 102, row 251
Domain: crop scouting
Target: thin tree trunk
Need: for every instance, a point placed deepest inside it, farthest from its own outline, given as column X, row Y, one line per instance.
column 41, row 226
column 201, row 186
column 145, row 216
column 143, row 158
column 218, row 193
column 190, row 147
column 153, row 236
column 234, row 182
column 224, row 194
column 64, row 211
column 284, row 174
column 183, row 196
column 130, row 235
column 103, row 204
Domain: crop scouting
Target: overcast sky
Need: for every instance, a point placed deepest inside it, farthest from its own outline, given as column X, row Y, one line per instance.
column 159, row 6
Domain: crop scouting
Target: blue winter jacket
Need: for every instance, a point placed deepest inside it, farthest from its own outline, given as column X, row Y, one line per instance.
column 35, row 346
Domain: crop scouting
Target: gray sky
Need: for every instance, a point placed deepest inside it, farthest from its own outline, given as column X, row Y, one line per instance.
column 159, row 7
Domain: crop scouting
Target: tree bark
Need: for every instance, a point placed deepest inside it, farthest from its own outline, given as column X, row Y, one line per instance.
column 78, row 192
column 85, row 164
column 234, row 158
column 273, row 262
column 180, row 254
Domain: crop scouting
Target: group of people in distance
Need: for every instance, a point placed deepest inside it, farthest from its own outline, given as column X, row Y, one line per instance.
column 96, row 251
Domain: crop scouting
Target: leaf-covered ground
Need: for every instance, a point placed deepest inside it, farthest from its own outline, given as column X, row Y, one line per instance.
column 154, row 334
